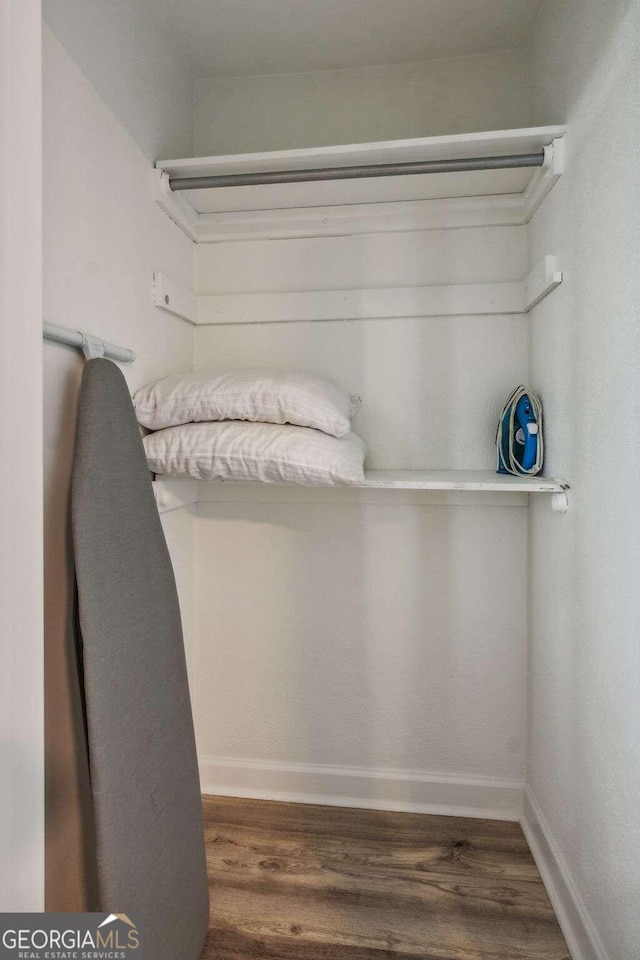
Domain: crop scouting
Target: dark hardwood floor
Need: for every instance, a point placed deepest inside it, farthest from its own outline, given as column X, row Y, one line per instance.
column 301, row 882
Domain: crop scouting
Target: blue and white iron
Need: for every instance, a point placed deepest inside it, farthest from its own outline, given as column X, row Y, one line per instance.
column 519, row 440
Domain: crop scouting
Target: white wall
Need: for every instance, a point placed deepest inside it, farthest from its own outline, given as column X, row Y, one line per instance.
column 584, row 742
column 103, row 239
column 21, row 695
column 484, row 92
column 433, row 387
column 122, row 47
column 362, row 634
column 375, row 634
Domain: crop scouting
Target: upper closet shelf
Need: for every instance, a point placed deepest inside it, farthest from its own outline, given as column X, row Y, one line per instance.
column 521, row 167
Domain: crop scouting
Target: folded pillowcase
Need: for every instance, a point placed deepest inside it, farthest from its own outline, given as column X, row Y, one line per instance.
column 268, row 452
column 270, row 396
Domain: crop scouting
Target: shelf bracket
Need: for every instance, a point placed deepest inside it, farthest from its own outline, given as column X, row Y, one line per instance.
column 560, row 499
column 560, row 502
column 174, row 494
column 174, row 298
column 544, row 278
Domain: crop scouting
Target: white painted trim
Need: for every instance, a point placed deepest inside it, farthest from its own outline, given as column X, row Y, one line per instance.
column 545, row 178
column 171, row 494
column 451, row 146
column 544, row 278
column 341, row 220
column 487, row 480
column 21, row 581
column 471, row 299
column 174, row 205
column 579, row 931
column 168, row 295
column 410, row 791
column 424, row 487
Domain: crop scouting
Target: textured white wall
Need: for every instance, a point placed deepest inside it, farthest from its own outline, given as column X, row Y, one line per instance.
column 375, row 636
column 123, row 49
column 103, row 239
column 485, row 92
column 584, row 743
column 433, row 387
column 380, row 635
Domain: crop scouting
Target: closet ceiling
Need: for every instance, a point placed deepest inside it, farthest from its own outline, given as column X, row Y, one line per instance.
column 227, row 38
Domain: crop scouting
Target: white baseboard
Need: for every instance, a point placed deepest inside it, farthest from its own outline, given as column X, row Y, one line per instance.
column 408, row 791
column 579, row 932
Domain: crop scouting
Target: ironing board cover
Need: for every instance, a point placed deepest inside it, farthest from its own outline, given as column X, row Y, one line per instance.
column 144, row 777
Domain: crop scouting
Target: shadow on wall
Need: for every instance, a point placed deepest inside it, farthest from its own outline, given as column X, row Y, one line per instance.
column 124, row 52
column 587, row 75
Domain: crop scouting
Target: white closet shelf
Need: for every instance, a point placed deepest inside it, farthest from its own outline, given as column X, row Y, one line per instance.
column 457, row 480
column 462, row 198
column 174, row 492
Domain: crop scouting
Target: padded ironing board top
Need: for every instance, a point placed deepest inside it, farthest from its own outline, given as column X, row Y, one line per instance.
column 144, row 773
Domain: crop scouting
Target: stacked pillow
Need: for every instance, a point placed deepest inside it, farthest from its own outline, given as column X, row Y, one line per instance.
column 264, row 425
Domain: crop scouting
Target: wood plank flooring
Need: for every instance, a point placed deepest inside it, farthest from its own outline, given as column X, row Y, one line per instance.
column 300, row 882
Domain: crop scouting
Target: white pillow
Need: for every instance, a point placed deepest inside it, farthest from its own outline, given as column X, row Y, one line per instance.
column 270, row 396
column 268, row 452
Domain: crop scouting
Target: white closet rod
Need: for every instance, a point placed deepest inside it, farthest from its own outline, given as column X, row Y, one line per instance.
column 75, row 338
column 358, row 172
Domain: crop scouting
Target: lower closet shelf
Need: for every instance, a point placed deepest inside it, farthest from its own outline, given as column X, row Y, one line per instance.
column 174, row 492
column 457, row 480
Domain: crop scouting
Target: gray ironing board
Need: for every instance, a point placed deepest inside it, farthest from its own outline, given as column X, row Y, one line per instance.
column 144, row 777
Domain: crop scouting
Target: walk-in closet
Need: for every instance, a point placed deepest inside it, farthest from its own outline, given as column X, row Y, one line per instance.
column 322, row 358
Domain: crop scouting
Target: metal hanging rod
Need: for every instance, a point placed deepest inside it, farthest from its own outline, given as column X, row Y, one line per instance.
column 92, row 346
column 358, row 172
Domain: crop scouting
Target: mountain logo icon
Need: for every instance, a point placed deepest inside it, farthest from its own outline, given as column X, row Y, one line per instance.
column 117, row 916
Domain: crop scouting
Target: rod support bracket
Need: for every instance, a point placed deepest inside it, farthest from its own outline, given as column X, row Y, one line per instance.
column 554, row 156
column 91, row 346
